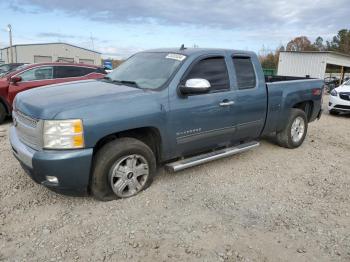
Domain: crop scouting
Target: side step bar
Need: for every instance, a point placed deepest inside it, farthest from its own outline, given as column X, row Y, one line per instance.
column 200, row 159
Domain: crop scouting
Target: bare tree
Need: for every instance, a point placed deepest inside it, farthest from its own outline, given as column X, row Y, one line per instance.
column 301, row 43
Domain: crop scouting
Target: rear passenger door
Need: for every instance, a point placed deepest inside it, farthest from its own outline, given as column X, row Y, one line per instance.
column 250, row 96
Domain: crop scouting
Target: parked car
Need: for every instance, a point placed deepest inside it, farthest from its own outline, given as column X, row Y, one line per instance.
column 331, row 83
column 6, row 68
column 175, row 107
column 339, row 99
column 36, row 75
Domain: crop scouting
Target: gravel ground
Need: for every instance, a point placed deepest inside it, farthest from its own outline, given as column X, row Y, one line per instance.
column 268, row 204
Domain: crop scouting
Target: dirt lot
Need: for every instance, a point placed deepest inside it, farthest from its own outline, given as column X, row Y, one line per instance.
column 269, row 204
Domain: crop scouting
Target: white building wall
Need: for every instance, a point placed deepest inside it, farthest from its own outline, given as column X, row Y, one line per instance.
column 337, row 59
column 302, row 64
column 26, row 53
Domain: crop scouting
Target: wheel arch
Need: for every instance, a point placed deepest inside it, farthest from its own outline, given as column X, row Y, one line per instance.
column 149, row 135
column 307, row 106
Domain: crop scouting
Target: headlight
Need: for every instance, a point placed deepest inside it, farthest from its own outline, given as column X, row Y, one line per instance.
column 63, row 134
column 334, row 93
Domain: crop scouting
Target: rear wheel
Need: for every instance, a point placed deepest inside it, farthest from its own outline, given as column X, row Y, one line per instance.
column 122, row 168
column 3, row 113
column 295, row 131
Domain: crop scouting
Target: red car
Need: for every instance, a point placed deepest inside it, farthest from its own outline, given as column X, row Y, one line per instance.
column 35, row 75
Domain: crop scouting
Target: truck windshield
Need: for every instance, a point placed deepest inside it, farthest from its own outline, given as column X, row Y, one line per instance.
column 147, row 70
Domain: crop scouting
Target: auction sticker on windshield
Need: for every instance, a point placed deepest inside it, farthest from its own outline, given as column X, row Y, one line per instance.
column 176, row 57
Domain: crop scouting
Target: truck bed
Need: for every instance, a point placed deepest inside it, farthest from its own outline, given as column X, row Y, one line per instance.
column 271, row 79
column 286, row 92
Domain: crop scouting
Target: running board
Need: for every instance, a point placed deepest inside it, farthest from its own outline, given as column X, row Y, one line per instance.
column 204, row 158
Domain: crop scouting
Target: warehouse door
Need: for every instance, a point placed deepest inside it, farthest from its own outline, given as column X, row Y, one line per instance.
column 65, row 60
column 86, row 61
column 42, row 59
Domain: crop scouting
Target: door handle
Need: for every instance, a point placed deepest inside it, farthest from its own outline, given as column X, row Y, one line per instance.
column 226, row 103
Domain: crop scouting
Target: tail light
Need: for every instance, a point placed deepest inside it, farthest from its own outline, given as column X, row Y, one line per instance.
column 316, row 91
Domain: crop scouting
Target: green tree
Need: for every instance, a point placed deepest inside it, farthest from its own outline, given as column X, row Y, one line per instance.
column 270, row 61
column 319, row 45
column 340, row 42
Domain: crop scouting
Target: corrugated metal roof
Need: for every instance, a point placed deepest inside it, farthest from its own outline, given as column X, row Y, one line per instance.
column 54, row 43
column 317, row 52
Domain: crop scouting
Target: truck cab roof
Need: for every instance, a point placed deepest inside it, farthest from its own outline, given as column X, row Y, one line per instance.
column 198, row 51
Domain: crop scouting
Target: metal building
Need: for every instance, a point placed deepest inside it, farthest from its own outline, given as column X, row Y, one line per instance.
column 313, row 63
column 49, row 52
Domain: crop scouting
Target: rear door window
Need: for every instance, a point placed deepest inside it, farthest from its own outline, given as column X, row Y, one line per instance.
column 88, row 70
column 68, row 71
column 212, row 69
column 73, row 71
column 245, row 73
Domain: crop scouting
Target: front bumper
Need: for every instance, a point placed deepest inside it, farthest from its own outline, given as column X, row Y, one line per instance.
column 338, row 104
column 70, row 167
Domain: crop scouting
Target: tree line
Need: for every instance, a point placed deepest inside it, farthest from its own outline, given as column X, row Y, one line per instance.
column 339, row 43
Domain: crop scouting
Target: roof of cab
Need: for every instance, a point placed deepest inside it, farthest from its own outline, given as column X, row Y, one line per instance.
column 196, row 51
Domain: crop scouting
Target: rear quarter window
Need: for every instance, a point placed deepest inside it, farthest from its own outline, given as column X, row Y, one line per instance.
column 245, row 72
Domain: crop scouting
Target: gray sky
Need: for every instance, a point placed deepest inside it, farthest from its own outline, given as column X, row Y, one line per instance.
column 118, row 28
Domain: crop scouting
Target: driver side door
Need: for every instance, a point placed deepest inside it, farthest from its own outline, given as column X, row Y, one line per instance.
column 203, row 121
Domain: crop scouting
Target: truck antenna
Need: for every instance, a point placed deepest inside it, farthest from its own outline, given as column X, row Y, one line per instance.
column 183, row 47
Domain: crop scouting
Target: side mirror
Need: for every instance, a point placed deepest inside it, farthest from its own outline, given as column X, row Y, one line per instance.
column 15, row 79
column 195, row 86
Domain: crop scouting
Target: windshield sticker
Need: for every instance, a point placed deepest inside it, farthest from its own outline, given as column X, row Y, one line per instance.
column 176, row 57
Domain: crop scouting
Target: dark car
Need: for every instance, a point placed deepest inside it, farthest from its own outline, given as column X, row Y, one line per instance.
column 36, row 75
column 331, row 82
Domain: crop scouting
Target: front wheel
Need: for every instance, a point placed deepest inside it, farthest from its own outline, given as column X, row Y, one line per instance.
column 122, row 168
column 295, row 131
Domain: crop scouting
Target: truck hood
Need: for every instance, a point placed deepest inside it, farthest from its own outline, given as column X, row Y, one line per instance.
column 48, row 101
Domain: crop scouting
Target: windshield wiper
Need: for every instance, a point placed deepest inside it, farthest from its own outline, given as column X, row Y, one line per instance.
column 127, row 82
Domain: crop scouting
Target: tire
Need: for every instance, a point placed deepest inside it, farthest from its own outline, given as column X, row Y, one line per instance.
column 285, row 138
column 333, row 112
column 119, row 163
column 3, row 113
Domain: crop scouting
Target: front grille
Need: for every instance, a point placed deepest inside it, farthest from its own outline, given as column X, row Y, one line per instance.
column 29, row 130
column 26, row 120
column 342, row 107
column 345, row 96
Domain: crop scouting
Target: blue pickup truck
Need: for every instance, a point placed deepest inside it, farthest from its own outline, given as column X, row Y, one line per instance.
column 173, row 107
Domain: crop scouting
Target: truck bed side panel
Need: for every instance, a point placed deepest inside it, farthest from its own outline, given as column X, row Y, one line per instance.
column 285, row 95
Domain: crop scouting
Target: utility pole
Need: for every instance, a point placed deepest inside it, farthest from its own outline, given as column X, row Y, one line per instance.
column 93, row 46
column 9, row 28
